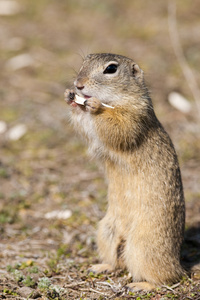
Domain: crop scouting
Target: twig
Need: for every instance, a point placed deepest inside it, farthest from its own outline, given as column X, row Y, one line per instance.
column 175, row 285
column 109, row 285
column 105, row 283
column 117, row 294
column 187, row 72
column 95, row 291
column 74, row 284
column 168, row 288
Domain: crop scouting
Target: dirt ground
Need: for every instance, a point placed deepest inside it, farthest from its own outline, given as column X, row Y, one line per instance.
column 52, row 195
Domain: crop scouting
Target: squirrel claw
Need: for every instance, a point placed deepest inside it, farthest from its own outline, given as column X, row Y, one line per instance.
column 139, row 286
column 69, row 95
column 101, row 268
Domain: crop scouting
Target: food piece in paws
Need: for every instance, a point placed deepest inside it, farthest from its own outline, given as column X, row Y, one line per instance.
column 79, row 100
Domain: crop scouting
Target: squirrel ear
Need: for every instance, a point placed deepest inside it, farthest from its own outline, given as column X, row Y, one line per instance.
column 136, row 71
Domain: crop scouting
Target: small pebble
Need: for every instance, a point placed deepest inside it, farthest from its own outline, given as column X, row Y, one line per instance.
column 28, row 292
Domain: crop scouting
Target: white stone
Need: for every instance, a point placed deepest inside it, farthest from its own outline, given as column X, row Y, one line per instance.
column 20, row 61
column 9, row 7
column 16, row 132
column 58, row 214
column 179, row 102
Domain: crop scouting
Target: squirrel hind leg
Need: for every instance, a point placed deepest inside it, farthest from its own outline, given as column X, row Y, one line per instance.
column 140, row 286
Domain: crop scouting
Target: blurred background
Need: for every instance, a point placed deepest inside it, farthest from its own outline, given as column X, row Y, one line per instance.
column 51, row 193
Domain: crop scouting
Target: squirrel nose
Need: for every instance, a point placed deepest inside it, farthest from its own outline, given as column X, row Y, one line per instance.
column 78, row 84
column 80, row 87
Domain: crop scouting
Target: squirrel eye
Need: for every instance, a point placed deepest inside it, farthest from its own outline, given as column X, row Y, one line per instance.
column 112, row 68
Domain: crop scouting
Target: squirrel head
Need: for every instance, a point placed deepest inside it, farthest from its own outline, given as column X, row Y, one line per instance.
column 110, row 78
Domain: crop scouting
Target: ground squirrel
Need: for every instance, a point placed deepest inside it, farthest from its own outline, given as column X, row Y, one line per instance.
column 143, row 228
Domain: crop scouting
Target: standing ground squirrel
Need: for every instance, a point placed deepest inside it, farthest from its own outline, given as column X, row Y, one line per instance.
column 143, row 228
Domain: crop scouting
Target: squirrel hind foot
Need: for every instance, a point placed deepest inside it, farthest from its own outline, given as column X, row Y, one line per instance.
column 101, row 268
column 140, row 286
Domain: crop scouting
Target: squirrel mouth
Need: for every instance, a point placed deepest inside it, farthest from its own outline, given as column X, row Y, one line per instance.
column 80, row 105
column 86, row 96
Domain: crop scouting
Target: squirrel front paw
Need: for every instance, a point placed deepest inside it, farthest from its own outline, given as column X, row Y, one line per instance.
column 69, row 96
column 93, row 105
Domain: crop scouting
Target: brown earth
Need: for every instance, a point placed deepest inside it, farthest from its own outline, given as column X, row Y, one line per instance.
column 48, row 170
